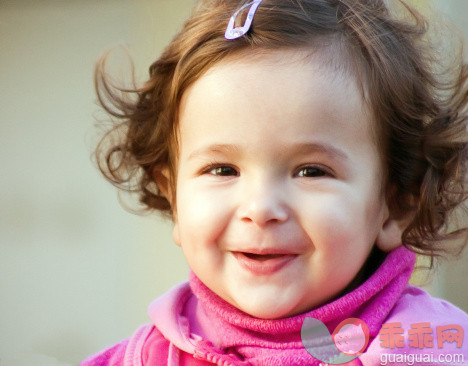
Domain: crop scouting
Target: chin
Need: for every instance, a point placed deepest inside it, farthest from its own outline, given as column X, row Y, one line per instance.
column 266, row 312
column 262, row 309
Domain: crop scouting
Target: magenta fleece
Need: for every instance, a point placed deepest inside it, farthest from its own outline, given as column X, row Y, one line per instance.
column 190, row 325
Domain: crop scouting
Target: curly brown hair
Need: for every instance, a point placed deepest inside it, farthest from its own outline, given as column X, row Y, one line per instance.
column 420, row 115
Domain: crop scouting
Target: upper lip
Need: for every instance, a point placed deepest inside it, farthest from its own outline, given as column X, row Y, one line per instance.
column 266, row 251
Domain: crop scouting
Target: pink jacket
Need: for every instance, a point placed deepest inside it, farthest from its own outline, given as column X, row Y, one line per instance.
column 190, row 325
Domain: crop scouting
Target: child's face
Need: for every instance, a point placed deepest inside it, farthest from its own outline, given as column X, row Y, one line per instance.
column 279, row 198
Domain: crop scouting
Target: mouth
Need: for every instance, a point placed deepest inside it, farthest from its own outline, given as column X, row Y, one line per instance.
column 261, row 257
column 263, row 264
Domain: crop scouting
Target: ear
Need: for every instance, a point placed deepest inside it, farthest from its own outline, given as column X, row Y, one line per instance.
column 389, row 236
column 175, row 233
column 161, row 176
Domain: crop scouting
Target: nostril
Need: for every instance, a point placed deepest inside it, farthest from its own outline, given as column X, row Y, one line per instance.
column 263, row 214
column 261, row 221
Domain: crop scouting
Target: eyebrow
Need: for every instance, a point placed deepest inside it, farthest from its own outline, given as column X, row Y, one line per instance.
column 323, row 148
column 301, row 148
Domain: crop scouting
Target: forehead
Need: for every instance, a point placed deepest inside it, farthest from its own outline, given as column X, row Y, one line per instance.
column 278, row 92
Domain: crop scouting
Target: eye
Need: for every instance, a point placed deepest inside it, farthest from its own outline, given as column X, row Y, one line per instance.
column 221, row 170
column 312, row 172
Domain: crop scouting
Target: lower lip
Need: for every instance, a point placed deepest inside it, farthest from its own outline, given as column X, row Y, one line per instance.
column 263, row 267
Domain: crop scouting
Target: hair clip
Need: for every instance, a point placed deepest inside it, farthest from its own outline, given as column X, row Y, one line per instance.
column 233, row 33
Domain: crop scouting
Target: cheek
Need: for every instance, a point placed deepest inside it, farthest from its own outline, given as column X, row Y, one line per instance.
column 202, row 214
column 338, row 224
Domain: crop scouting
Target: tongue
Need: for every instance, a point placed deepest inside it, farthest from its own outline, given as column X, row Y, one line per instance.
column 262, row 257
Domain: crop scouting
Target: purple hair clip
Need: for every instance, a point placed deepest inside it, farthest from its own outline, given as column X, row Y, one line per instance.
column 233, row 33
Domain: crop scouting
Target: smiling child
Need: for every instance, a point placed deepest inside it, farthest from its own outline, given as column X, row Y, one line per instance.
column 305, row 152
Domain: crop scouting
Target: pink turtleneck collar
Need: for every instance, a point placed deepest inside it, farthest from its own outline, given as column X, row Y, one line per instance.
column 198, row 321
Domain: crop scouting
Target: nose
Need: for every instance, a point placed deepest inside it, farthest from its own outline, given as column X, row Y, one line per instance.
column 263, row 204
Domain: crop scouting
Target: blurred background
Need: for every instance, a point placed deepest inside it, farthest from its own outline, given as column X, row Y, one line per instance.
column 77, row 270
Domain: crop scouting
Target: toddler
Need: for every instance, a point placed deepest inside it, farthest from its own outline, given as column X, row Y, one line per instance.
column 305, row 151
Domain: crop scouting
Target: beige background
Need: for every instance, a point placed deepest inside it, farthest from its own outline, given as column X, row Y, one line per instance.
column 77, row 270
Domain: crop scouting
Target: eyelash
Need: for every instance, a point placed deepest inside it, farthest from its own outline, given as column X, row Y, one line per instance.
column 214, row 166
column 322, row 171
